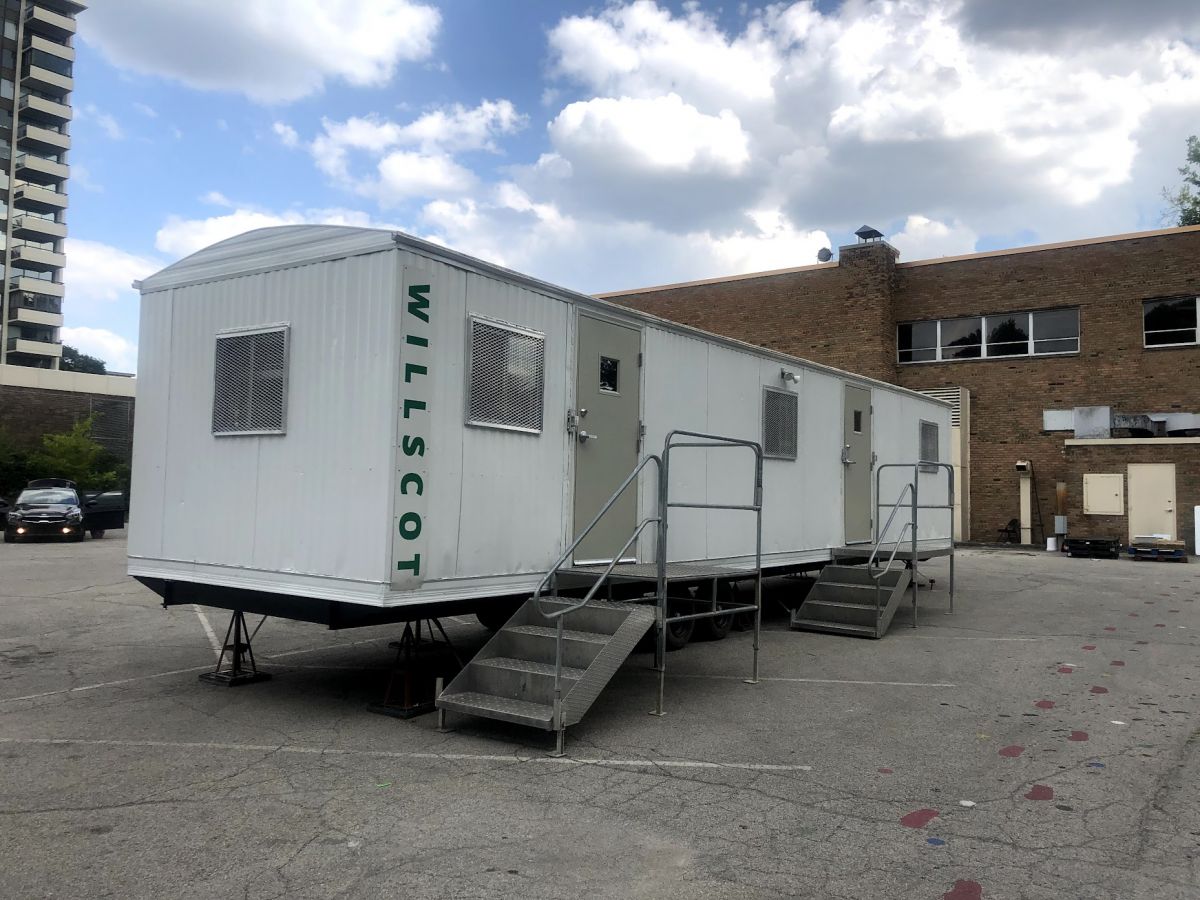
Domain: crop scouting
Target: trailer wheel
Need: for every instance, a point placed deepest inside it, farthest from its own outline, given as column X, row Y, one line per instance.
column 679, row 634
column 718, row 628
column 97, row 533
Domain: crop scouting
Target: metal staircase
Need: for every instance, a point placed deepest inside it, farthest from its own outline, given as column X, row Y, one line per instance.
column 857, row 600
column 548, row 664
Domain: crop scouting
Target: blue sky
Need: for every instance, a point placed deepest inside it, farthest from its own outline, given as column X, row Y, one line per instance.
column 613, row 145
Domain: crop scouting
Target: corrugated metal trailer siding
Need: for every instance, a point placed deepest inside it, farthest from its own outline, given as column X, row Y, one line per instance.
column 309, row 502
column 897, row 421
column 496, row 498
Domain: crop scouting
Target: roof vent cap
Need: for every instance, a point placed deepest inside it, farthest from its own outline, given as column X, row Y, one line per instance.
column 869, row 235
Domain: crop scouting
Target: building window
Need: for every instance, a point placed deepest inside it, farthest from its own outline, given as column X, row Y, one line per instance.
column 507, row 378
column 1170, row 322
column 929, row 447
column 1028, row 333
column 250, row 382
column 780, row 424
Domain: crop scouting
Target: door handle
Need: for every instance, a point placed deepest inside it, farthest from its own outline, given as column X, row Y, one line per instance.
column 846, row 455
column 584, row 437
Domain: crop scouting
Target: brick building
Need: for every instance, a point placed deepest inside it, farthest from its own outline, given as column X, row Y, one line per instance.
column 1081, row 357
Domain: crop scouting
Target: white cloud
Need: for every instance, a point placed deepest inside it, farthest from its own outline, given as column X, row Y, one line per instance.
column 399, row 173
column 287, row 134
column 924, row 238
column 118, row 353
column 89, row 112
column 98, row 273
column 273, row 51
column 661, row 135
column 146, row 110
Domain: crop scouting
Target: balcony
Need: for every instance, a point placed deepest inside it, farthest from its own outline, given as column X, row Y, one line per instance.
column 42, row 140
column 40, row 170
column 41, row 21
column 26, row 315
column 35, row 108
column 42, row 79
column 62, row 51
column 26, row 284
column 34, row 348
column 38, row 199
column 36, row 258
column 36, row 228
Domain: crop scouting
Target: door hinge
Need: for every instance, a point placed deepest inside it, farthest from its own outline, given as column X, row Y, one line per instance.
column 641, row 435
column 639, row 360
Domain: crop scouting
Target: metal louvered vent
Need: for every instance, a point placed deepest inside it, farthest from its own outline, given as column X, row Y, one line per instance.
column 250, row 382
column 507, row 377
column 929, row 445
column 953, row 396
column 780, row 424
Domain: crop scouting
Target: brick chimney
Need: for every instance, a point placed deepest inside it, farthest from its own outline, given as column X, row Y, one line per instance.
column 869, row 268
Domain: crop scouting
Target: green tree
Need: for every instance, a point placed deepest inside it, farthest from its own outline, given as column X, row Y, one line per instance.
column 14, row 466
column 74, row 455
column 1185, row 202
column 74, row 361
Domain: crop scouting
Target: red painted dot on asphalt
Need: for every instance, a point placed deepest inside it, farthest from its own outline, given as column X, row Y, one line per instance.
column 1109, row 628
column 1012, row 751
column 1089, row 647
column 1040, row 792
column 885, row 771
column 1133, row 615
column 1065, row 670
column 964, row 890
column 918, row 818
column 1096, row 689
column 1117, row 662
column 1044, row 704
column 1078, row 736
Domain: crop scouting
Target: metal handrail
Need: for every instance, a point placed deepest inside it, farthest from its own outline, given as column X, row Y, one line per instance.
column 570, row 551
column 884, row 530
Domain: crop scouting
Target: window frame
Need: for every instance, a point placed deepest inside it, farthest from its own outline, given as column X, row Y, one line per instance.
column 795, row 400
column 1031, row 341
column 281, row 327
column 1195, row 328
column 501, row 325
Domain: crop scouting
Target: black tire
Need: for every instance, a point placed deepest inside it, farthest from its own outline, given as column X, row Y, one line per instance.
column 97, row 534
column 77, row 538
column 718, row 629
column 494, row 616
column 679, row 634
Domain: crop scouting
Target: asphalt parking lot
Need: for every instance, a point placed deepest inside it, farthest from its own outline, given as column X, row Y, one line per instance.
column 1040, row 742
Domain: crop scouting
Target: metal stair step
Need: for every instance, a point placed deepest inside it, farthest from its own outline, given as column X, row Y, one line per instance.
column 550, row 631
column 527, row 665
column 843, row 604
column 490, row 706
column 833, row 627
column 849, row 585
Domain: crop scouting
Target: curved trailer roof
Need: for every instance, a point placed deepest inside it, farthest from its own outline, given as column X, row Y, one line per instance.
column 288, row 246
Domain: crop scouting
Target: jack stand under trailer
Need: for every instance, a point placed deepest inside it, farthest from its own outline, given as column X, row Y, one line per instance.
column 407, row 648
column 239, row 651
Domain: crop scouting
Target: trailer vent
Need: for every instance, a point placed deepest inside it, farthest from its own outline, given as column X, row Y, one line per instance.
column 929, row 446
column 250, row 383
column 780, row 424
column 507, row 377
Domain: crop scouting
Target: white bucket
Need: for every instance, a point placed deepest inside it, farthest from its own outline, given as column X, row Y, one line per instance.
column 1052, row 545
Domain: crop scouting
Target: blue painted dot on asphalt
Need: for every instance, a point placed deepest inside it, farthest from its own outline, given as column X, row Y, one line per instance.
column 1096, row 765
column 935, row 842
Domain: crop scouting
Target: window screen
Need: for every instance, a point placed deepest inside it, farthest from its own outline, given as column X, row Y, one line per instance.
column 507, row 377
column 250, row 382
column 780, row 424
column 929, row 445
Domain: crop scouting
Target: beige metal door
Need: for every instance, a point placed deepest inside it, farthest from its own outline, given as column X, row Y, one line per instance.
column 856, row 463
column 1152, row 499
column 607, row 403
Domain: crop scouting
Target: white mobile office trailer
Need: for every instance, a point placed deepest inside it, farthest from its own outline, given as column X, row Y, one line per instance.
column 351, row 426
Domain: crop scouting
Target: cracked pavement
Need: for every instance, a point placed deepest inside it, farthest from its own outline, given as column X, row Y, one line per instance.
column 123, row 776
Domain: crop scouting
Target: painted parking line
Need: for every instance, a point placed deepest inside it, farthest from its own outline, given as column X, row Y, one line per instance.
column 923, row 684
column 208, row 630
column 506, row 758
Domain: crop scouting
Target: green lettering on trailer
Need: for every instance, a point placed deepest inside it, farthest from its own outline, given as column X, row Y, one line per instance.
column 418, row 303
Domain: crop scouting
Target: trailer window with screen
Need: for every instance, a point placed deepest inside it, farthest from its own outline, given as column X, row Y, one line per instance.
column 250, row 382
column 929, row 446
column 780, row 424
column 507, row 379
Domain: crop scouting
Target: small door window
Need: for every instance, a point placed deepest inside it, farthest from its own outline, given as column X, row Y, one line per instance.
column 610, row 375
column 858, row 421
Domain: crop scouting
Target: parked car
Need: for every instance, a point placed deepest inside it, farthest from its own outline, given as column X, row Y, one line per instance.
column 54, row 507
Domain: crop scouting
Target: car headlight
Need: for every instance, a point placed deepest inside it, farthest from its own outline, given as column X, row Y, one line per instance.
column 14, row 516
column 74, row 516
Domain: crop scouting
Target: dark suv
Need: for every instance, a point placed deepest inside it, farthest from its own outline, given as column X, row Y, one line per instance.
column 51, row 507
